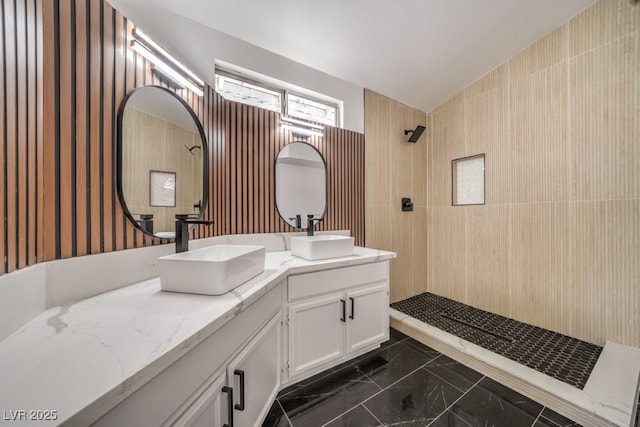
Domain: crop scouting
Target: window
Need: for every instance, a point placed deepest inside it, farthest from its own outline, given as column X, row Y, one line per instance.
column 274, row 97
column 248, row 93
column 307, row 109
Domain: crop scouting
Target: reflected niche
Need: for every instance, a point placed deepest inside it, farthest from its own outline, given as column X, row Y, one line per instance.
column 162, row 160
column 301, row 183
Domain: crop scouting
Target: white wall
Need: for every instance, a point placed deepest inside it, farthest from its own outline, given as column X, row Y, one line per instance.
column 198, row 47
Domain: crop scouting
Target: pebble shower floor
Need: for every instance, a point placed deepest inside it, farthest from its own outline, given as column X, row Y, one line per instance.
column 567, row 359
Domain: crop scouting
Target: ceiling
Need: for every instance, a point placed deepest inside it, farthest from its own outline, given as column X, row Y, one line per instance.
column 419, row 52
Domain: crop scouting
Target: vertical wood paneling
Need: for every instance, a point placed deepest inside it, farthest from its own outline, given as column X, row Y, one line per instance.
column 118, row 92
column 19, row 126
column 5, row 140
column 11, row 130
column 58, row 155
column 253, row 141
column 81, row 125
column 94, row 144
column 23, row 134
column 66, row 126
column 107, row 106
column 49, row 146
column 32, row 114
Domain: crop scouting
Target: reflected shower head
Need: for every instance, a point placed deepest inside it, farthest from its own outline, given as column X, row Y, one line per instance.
column 192, row 148
column 415, row 133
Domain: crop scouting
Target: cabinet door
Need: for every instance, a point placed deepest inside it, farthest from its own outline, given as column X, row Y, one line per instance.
column 368, row 319
column 206, row 411
column 316, row 332
column 254, row 375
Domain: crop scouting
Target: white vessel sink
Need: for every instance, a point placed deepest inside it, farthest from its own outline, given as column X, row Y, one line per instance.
column 322, row 246
column 214, row 270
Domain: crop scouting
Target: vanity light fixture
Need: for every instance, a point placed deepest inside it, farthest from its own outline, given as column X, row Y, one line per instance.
column 165, row 62
column 301, row 128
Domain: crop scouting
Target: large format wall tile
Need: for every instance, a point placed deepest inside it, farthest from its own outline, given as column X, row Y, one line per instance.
column 538, row 140
column 546, row 52
column 604, row 101
column 447, row 143
column 606, row 277
column 602, row 23
column 556, row 243
column 446, row 264
column 487, row 257
column 486, row 133
column 395, row 169
column 541, row 264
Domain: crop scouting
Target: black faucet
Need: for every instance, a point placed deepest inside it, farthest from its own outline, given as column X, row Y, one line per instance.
column 298, row 219
column 146, row 222
column 310, row 224
column 182, row 230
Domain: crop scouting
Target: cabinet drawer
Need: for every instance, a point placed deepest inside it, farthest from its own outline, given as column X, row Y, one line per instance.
column 309, row 284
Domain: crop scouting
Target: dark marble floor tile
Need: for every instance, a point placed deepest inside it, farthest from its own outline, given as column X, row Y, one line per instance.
column 357, row 417
column 391, row 364
column 417, row 345
column 549, row 418
column 449, row 419
column 276, row 417
column 491, row 403
column 353, row 362
column 327, row 398
column 420, row 397
column 456, row 374
column 297, row 386
column 395, row 337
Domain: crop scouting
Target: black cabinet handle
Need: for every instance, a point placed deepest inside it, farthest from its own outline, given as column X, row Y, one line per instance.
column 344, row 311
column 240, row 406
column 229, row 392
column 353, row 313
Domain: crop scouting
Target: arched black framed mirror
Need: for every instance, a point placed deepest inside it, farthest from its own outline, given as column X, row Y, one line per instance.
column 301, row 183
column 162, row 161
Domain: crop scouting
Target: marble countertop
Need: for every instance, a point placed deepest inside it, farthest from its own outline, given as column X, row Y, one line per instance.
column 80, row 360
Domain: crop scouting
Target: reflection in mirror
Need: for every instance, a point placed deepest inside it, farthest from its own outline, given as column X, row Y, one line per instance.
column 162, row 161
column 301, row 183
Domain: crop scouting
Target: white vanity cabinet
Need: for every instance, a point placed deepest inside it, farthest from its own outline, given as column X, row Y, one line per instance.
column 196, row 389
column 254, row 375
column 243, row 394
column 334, row 315
column 208, row 409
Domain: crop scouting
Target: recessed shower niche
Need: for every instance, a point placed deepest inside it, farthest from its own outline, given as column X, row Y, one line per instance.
column 468, row 181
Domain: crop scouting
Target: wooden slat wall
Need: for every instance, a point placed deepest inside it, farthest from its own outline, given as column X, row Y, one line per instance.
column 67, row 67
column 20, row 117
column 254, row 139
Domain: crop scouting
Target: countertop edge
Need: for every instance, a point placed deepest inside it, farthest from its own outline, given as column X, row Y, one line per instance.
column 245, row 294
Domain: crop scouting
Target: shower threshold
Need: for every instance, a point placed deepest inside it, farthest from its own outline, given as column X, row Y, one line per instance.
column 587, row 383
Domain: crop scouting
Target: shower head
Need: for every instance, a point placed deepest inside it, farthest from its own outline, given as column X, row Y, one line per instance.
column 415, row 133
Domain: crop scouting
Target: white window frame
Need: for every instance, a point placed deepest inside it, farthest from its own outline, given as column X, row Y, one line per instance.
column 283, row 95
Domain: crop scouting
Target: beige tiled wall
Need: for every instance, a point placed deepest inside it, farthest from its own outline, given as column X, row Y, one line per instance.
column 558, row 242
column 395, row 168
